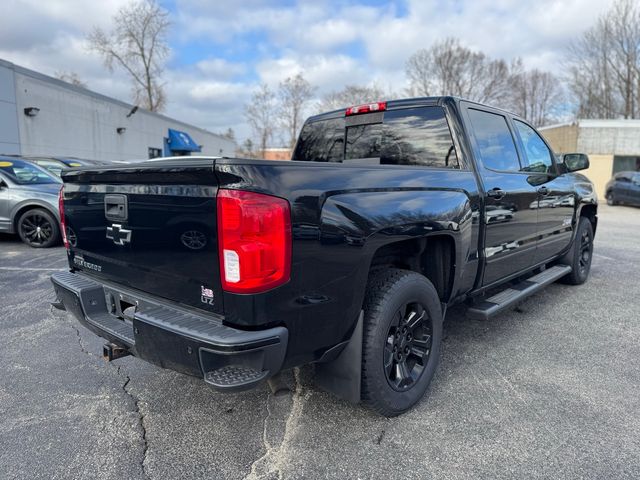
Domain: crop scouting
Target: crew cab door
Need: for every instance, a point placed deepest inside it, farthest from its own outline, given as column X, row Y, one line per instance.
column 511, row 201
column 556, row 196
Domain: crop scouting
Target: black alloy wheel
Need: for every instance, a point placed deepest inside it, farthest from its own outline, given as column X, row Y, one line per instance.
column 402, row 333
column 408, row 346
column 580, row 255
column 586, row 251
column 38, row 228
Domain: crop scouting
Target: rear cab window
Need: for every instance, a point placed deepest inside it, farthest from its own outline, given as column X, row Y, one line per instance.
column 416, row 136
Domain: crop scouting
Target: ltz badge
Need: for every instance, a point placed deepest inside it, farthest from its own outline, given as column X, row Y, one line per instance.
column 206, row 295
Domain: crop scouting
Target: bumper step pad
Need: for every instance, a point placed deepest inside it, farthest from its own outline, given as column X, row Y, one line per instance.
column 231, row 376
column 516, row 293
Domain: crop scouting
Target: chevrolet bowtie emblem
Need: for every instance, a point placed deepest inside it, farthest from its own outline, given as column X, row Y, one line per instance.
column 119, row 235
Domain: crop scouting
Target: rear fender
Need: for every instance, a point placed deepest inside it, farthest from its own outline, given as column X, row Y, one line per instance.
column 367, row 221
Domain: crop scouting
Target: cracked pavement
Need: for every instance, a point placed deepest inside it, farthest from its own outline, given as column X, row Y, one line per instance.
column 550, row 389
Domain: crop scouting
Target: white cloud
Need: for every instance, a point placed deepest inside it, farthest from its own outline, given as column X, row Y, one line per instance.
column 332, row 44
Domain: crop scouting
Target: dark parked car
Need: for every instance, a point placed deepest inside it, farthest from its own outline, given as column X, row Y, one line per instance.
column 347, row 256
column 29, row 202
column 624, row 187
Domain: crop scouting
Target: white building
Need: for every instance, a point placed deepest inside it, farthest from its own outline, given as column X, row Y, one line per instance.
column 44, row 116
column 612, row 145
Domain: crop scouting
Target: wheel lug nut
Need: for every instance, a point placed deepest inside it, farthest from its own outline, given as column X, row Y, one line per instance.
column 406, row 350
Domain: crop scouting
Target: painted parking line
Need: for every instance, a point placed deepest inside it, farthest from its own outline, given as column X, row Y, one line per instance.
column 32, row 269
column 604, row 257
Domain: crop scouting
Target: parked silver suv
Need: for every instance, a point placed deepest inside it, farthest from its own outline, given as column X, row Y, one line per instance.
column 29, row 202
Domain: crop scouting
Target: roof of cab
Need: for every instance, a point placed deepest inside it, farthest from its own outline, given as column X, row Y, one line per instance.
column 408, row 102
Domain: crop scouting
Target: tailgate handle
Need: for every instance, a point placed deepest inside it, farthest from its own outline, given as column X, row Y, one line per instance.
column 115, row 207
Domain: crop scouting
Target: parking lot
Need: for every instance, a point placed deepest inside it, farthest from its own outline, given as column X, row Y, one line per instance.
column 548, row 390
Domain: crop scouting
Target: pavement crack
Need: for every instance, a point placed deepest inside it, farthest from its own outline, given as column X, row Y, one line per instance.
column 141, row 420
column 83, row 348
column 127, row 391
column 275, row 457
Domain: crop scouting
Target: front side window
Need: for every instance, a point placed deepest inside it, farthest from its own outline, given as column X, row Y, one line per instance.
column 495, row 143
column 538, row 155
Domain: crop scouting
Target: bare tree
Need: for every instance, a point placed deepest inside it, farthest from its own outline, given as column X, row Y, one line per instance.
column 138, row 45
column 535, row 95
column 261, row 113
column 351, row 95
column 294, row 95
column 604, row 65
column 70, row 77
column 247, row 149
column 230, row 134
column 448, row 68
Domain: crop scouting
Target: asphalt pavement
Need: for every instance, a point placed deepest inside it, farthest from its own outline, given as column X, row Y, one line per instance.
column 550, row 389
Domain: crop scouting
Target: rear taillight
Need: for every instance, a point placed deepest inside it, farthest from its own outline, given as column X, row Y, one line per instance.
column 63, row 223
column 254, row 241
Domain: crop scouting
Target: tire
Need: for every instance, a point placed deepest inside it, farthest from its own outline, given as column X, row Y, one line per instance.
column 580, row 256
column 38, row 228
column 392, row 301
column 610, row 199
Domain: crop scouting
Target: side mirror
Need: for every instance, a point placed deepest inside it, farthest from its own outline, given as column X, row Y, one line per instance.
column 3, row 184
column 575, row 161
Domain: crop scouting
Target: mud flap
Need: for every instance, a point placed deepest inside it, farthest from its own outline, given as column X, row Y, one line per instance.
column 342, row 376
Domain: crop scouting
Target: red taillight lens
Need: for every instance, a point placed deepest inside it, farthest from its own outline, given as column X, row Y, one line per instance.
column 63, row 223
column 254, row 241
column 366, row 108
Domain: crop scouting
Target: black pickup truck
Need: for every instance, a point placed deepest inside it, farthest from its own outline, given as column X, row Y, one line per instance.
column 347, row 256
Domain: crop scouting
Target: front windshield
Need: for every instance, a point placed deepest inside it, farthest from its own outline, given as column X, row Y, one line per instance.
column 25, row 173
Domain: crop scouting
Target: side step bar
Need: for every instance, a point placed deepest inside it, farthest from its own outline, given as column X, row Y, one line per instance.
column 516, row 293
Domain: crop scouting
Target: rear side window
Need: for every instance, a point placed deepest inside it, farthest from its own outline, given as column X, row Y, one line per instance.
column 495, row 143
column 413, row 136
column 418, row 136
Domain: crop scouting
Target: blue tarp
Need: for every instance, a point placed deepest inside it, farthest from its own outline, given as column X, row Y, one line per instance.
column 181, row 141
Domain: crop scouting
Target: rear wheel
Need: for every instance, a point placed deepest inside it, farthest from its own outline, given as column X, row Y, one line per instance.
column 38, row 228
column 401, row 344
column 611, row 201
column 580, row 255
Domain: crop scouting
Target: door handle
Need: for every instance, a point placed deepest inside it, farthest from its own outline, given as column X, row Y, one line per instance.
column 496, row 193
column 543, row 191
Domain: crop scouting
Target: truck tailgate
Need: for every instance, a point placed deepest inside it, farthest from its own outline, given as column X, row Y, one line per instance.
column 148, row 226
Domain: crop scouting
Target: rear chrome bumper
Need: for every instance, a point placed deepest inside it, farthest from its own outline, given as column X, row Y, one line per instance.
column 228, row 359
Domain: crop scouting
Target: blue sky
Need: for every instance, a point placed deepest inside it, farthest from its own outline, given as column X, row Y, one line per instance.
column 222, row 50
